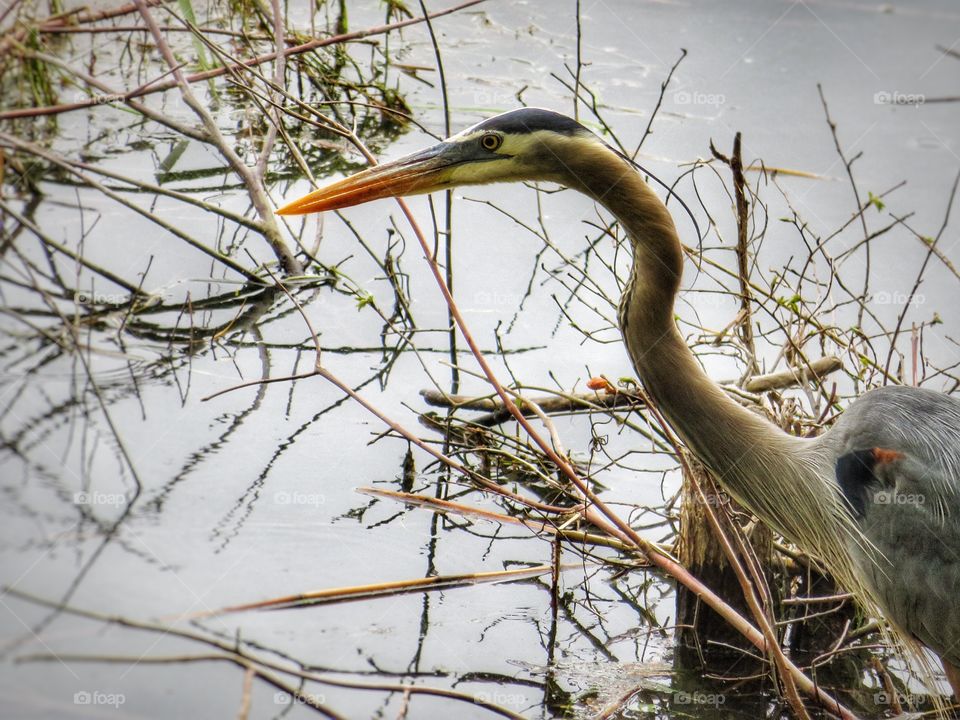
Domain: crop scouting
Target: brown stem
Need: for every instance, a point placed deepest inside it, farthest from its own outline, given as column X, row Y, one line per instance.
column 254, row 185
column 259, row 60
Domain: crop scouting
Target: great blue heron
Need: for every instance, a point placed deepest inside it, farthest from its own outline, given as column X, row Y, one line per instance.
column 876, row 498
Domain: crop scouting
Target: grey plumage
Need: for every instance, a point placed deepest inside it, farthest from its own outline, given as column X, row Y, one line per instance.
column 911, row 509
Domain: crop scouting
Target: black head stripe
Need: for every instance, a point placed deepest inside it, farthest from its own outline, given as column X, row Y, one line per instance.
column 528, row 120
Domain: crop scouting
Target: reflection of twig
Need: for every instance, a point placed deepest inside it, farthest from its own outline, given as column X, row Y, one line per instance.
column 445, row 506
column 110, row 531
column 252, row 182
column 153, row 217
column 447, row 205
column 259, row 60
column 234, row 653
column 80, row 259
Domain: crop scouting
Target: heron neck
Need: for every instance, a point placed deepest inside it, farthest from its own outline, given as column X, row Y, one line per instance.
column 746, row 452
column 784, row 480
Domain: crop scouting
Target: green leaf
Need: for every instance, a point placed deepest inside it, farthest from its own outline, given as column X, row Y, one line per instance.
column 186, row 7
column 793, row 303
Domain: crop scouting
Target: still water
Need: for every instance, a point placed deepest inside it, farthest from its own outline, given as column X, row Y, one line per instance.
column 253, row 494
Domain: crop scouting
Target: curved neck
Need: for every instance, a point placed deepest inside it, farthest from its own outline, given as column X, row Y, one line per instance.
column 785, row 480
column 722, row 433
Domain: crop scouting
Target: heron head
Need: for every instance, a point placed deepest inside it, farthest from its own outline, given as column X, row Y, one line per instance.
column 524, row 144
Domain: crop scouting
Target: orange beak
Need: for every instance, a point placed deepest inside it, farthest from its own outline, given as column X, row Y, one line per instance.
column 421, row 172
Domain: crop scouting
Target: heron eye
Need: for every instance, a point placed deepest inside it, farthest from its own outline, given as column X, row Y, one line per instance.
column 491, row 141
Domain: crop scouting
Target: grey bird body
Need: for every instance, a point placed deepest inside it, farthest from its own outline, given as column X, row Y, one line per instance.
column 911, row 508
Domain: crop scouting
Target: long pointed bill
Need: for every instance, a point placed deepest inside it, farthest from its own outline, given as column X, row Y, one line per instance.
column 421, row 172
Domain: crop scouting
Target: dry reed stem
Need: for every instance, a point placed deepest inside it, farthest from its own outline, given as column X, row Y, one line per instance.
column 385, row 589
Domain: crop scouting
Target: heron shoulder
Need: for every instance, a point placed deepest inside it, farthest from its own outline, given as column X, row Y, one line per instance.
column 896, row 414
column 920, row 425
column 897, row 455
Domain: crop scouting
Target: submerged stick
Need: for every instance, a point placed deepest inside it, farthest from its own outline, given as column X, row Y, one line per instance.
column 445, row 506
column 362, row 592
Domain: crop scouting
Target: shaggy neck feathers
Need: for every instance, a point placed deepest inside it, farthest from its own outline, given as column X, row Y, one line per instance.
column 784, row 480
